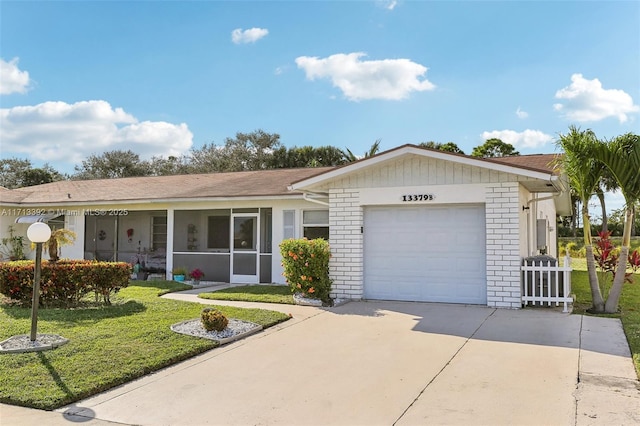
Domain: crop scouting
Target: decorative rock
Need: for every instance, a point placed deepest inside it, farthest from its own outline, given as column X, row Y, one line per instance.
column 22, row 343
column 299, row 299
column 236, row 329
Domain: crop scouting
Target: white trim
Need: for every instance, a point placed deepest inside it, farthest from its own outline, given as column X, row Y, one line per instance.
column 169, row 250
column 239, row 278
column 442, row 194
column 413, row 150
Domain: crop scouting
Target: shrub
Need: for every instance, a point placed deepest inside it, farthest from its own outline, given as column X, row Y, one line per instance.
column 306, row 267
column 213, row 319
column 64, row 282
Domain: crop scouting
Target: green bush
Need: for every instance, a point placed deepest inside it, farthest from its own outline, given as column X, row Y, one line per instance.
column 64, row 282
column 577, row 250
column 306, row 267
column 572, row 248
column 213, row 319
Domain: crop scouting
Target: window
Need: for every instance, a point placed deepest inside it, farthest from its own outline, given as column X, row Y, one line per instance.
column 56, row 223
column 289, row 224
column 315, row 224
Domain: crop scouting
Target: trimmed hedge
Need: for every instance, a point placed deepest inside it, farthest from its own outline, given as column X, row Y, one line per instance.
column 64, row 282
column 306, row 267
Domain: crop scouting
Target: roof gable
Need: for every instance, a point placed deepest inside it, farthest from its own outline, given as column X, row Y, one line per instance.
column 527, row 168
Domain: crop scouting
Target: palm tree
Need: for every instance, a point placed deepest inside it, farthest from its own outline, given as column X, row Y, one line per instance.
column 622, row 157
column 59, row 237
column 350, row 157
column 607, row 184
column 583, row 173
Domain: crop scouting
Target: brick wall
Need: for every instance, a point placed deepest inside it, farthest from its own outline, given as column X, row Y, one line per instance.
column 503, row 245
column 345, row 237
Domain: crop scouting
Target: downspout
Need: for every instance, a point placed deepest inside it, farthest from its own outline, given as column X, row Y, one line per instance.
column 529, row 236
column 535, row 200
column 305, row 196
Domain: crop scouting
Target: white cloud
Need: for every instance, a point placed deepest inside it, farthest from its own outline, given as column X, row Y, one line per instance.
column 521, row 114
column 387, row 4
column 390, row 79
column 240, row 36
column 526, row 139
column 12, row 79
column 61, row 132
column 391, row 5
column 586, row 100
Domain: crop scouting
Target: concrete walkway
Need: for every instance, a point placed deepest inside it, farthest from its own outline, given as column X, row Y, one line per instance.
column 385, row 363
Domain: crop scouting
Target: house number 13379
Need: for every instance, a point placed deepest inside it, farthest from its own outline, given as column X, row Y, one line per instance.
column 417, row 197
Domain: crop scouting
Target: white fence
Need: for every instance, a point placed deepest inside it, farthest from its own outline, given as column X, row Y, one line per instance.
column 544, row 285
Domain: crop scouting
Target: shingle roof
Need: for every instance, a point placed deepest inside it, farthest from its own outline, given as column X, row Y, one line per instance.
column 198, row 186
column 211, row 185
column 10, row 196
column 542, row 162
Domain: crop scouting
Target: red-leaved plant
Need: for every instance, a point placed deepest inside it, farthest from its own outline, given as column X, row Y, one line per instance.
column 196, row 274
column 606, row 256
column 634, row 262
column 605, row 253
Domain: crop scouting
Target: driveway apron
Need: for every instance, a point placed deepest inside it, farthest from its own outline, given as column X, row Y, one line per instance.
column 362, row 363
column 519, row 368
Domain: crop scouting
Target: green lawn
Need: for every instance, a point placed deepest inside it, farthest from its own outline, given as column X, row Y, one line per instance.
column 109, row 345
column 629, row 306
column 253, row 293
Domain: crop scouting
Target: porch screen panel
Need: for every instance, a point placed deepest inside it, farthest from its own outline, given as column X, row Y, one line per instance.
column 265, row 269
column 214, row 265
column 266, row 231
column 218, row 233
column 244, row 264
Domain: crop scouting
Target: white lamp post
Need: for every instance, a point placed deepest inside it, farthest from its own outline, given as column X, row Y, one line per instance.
column 37, row 233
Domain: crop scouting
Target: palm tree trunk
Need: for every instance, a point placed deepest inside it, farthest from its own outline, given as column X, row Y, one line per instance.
column 596, row 294
column 574, row 220
column 611, row 306
column 605, row 225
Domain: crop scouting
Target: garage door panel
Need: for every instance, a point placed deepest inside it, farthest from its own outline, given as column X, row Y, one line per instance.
column 470, row 265
column 425, row 253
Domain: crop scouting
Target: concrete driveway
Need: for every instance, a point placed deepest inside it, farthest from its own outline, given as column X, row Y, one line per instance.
column 386, row 363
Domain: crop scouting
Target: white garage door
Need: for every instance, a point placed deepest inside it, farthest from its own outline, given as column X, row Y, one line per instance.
column 425, row 253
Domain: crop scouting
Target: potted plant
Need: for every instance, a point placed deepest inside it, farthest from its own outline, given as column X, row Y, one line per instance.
column 196, row 275
column 179, row 273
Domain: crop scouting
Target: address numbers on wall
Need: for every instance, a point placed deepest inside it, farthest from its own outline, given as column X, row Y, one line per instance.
column 417, row 197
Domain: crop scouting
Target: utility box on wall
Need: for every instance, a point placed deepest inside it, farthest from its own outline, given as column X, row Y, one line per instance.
column 542, row 233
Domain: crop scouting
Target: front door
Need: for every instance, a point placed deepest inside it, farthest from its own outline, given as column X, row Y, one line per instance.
column 244, row 248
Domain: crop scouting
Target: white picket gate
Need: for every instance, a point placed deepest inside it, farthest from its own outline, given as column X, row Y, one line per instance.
column 544, row 284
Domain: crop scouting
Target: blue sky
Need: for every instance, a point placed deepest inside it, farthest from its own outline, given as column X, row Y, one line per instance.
column 159, row 78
